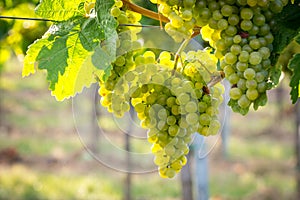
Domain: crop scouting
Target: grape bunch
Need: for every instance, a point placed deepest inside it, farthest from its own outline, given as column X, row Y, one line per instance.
column 173, row 106
column 240, row 31
column 170, row 93
column 127, row 46
column 246, row 44
column 181, row 15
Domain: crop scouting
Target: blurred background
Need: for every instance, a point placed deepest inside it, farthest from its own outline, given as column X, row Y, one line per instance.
column 42, row 157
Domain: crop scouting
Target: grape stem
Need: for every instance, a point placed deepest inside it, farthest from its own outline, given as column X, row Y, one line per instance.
column 216, row 79
column 145, row 12
column 180, row 50
column 183, row 46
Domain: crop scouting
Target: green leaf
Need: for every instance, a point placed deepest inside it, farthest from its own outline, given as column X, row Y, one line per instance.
column 275, row 73
column 75, row 50
column 106, row 54
column 102, row 60
column 64, row 52
column 31, row 56
column 106, row 21
column 52, row 58
column 287, row 27
column 260, row 101
column 294, row 66
column 60, row 10
column 91, row 34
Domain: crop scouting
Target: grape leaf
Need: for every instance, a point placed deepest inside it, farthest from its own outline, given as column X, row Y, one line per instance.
column 287, row 27
column 294, row 66
column 260, row 101
column 102, row 60
column 67, row 50
column 59, row 10
column 31, row 56
column 106, row 54
column 108, row 23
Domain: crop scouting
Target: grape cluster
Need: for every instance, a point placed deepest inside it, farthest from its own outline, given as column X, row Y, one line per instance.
column 245, row 41
column 240, row 31
column 173, row 106
column 181, row 14
column 127, row 46
column 170, row 95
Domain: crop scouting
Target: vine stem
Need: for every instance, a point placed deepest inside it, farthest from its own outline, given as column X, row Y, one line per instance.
column 216, row 79
column 180, row 50
column 183, row 46
column 145, row 12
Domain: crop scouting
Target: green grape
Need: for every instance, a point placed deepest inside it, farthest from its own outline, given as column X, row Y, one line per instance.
column 115, row 12
column 265, row 52
column 249, row 74
column 252, row 94
column 261, row 76
column 235, row 49
column 246, row 25
column 222, row 24
column 122, row 19
column 242, row 84
column 254, row 44
column 259, row 20
column 171, row 120
column 231, row 30
column 192, row 118
column 191, row 107
column 264, row 30
column 183, row 98
column 230, row 58
column 276, row 6
column 244, row 102
column 235, row 93
column 173, row 130
column 204, row 119
column 189, row 3
column 251, row 84
column 241, row 66
column 262, row 87
column 233, row 20
column 254, row 30
column 255, row 58
column 217, row 15
column 187, row 15
column 246, row 13
column 252, row 3
column 226, row 10
column 233, row 78
column 244, row 56
column 237, row 39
